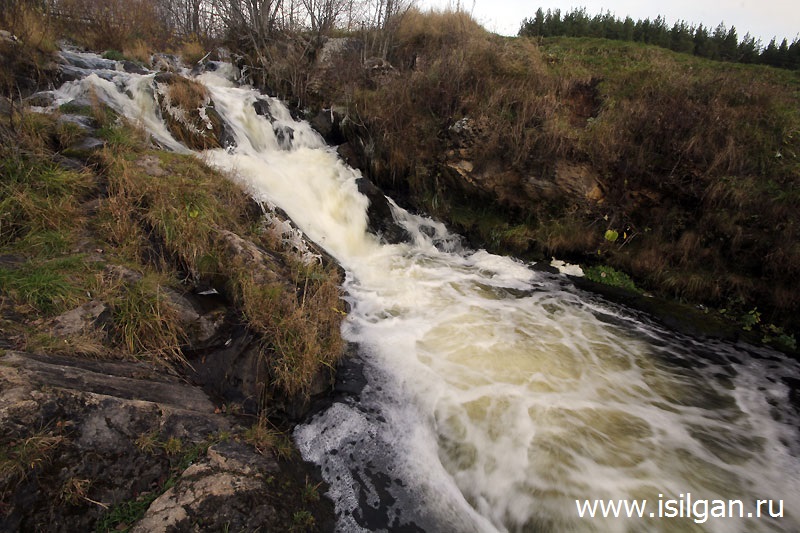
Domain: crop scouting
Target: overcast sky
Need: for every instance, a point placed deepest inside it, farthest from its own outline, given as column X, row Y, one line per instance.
column 762, row 18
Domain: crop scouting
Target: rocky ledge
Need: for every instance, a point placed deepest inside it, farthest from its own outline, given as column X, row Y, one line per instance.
column 99, row 445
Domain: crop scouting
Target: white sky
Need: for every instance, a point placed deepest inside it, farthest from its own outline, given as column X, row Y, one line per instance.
column 762, row 18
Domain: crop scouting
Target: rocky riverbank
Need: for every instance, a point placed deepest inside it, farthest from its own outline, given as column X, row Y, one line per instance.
column 147, row 382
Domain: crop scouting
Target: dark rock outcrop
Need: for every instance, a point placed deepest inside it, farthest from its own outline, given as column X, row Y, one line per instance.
column 85, row 438
column 381, row 221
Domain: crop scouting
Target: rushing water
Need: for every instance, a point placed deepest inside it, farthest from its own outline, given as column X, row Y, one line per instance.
column 492, row 396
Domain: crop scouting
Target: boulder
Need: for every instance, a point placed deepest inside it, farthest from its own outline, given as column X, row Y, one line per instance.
column 327, row 123
column 380, row 219
column 80, row 320
column 189, row 113
column 41, row 99
column 225, row 488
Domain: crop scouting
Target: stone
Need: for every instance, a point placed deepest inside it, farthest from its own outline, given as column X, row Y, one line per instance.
column 151, row 165
column 380, row 219
column 231, row 473
column 79, row 320
column 198, row 327
column 41, row 99
column 327, row 123
column 133, row 68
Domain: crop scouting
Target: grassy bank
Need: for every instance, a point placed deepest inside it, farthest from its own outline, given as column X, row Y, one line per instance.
column 678, row 171
column 132, row 228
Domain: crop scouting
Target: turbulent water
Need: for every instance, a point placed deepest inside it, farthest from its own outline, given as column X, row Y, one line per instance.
column 492, row 396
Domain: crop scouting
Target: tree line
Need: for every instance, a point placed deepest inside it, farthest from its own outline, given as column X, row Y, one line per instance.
column 259, row 21
column 721, row 43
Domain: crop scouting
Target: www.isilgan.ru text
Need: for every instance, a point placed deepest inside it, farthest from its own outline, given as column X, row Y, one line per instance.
column 684, row 506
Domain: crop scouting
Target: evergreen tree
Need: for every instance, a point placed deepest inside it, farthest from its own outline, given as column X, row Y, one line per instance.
column 721, row 44
column 628, row 29
column 794, row 55
column 747, row 51
column 729, row 48
column 783, row 54
column 770, row 54
column 681, row 38
column 703, row 46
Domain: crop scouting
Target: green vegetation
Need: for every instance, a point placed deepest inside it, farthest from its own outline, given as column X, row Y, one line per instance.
column 20, row 458
column 138, row 229
column 302, row 521
column 123, row 515
column 682, row 172
column 721, row 44
column 609, row 276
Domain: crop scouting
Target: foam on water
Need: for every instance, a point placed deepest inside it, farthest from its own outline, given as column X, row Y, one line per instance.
column 496, row 396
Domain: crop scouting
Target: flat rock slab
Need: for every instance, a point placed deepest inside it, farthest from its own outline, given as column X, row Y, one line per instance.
column 128, row 381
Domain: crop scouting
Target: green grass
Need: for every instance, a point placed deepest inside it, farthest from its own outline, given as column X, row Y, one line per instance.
column 610, row 276
column 123, row 515
column 145, row 322
column 48, row 287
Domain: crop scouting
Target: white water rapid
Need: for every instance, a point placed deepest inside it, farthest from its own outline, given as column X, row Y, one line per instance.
column 489, row 396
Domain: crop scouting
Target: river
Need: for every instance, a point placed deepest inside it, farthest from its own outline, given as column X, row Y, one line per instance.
column 492, row 396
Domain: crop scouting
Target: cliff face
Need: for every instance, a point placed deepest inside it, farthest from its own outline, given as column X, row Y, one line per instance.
column 680, row 172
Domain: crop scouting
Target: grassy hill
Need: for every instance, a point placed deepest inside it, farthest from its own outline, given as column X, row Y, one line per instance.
column 680, row 172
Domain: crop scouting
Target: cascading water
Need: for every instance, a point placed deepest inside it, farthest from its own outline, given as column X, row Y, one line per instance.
column 493, row 396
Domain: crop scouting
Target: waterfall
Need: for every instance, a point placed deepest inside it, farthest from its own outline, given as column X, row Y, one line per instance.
column 491, row 396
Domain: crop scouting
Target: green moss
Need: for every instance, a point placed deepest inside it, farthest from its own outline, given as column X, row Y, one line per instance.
column 610, row 276
column 114, row 55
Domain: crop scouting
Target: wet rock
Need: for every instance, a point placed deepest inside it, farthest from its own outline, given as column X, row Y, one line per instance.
column 84, row 148
column 79, row 105
column 225, row 489
column 85, row 123
column 85, row 423
column 198, row 327
column 69, row 73
column 351, row 155
column 327, row 123
column 284, row 135
column 262, row 109
column 232, row 372
column 133, row 68
column 381, row 221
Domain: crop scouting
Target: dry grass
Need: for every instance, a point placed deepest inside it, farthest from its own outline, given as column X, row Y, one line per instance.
column 300, row 325
column 31, row 25
column 158, row 220
column 114, row 24
column 145, row 323
column 25, row 455
column 188, row 112
column 192, row 50
column 138, row 50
